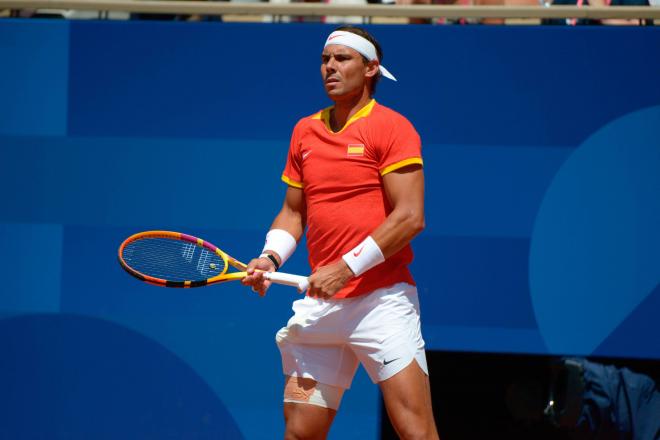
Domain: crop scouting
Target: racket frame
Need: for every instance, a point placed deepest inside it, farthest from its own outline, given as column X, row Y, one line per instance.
column 221, row 277
column 297, row 281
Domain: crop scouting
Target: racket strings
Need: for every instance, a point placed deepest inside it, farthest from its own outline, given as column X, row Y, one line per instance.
column 172, row 260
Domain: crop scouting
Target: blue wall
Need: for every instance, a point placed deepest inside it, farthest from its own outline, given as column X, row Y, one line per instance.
column 542, row 157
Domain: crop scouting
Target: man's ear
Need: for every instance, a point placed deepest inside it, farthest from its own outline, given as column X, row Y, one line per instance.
column 372, row 69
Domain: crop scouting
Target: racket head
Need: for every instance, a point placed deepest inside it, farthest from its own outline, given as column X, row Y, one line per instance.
column 174, row 259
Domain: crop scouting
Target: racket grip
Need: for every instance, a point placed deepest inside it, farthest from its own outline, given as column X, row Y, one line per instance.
column 288, row 279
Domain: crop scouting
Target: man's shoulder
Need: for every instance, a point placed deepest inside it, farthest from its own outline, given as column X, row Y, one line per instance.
column 383, row 112
column 386, row 117
column 310, row 119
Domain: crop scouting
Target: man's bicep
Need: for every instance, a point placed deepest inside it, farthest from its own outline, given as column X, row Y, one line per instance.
column 294, row 199
column 292, row 216
column 405, row 186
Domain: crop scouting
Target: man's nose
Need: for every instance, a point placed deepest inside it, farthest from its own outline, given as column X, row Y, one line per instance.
column 331, row 64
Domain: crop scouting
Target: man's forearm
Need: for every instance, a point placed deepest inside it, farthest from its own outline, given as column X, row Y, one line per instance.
column 398, row 229
column 290, row 221
column 405, row 191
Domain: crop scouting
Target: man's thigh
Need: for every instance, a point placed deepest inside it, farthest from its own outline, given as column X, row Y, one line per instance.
column 388, row 337
column 407, row 397
column 313, row 344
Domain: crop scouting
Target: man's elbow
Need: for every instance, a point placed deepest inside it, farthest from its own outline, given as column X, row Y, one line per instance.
column 415, row 222
column 418, row 224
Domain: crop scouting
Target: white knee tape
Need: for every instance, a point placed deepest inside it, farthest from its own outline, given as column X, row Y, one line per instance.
column 326, row 396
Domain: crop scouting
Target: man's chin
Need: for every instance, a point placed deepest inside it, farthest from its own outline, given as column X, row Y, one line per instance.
column 333, row 94
column 333, row 90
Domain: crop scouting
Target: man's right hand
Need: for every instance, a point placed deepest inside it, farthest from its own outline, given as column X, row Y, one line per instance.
column 255, row 277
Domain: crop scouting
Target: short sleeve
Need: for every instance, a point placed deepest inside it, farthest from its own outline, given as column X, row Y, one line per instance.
column 399, row 145
column 292, row 174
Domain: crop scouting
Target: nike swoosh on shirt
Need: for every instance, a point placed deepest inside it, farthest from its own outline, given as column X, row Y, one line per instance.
column 390, row 361
column 305, row 154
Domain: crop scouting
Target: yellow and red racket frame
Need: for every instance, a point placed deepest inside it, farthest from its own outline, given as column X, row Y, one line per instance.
column 220, row 278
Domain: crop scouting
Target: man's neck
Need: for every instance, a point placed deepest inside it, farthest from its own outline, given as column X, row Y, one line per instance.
column 343, row 110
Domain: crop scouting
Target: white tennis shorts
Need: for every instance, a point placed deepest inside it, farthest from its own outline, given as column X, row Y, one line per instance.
column 326, row 339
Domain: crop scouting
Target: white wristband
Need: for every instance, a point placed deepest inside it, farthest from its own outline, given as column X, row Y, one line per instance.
column 364, row 256
column 281, row 242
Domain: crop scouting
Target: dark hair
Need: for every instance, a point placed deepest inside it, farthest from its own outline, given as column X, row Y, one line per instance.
column 364, row 34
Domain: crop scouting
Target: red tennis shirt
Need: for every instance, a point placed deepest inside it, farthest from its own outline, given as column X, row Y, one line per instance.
column 341, row 177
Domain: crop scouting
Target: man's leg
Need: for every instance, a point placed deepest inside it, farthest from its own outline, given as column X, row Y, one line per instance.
column 304, row 421
column 407, row 397
column 309, row 408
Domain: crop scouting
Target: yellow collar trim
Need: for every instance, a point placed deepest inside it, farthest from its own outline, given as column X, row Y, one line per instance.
column 324, row 115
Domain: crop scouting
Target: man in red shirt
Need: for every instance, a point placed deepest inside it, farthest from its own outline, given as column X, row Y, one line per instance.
column 355, row 181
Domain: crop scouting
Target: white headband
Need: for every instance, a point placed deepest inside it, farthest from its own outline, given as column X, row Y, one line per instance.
column 362, row 45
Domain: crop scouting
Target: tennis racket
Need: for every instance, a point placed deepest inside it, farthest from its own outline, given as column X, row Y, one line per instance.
column 173, row 259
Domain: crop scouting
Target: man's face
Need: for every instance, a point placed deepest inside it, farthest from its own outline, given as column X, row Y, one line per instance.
column 343, row 71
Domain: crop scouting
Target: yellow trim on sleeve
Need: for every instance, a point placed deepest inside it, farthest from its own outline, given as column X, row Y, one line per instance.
column 290, row 182
column 401, row 164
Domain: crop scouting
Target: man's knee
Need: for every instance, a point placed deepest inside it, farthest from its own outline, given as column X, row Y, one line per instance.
column 307, row 422
column 416, row 430
column 297, row 430
column 309, row 408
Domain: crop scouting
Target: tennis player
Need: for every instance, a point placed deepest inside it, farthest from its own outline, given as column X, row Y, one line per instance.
column 355, row 181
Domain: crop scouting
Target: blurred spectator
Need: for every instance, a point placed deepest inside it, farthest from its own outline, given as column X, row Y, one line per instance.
column 467, row 3
column 414, row 20
column 298, row 18
column 39, row 13
column 502, row 3
column 321, row 19
column 158, row 17
column 620, row 21
column 590, row 401
column 572, row 21
column 346, row 19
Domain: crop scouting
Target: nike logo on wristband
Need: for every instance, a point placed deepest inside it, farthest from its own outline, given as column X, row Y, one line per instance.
column 358, row 252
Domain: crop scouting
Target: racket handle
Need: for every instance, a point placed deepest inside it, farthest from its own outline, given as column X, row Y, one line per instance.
column 288, row 279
